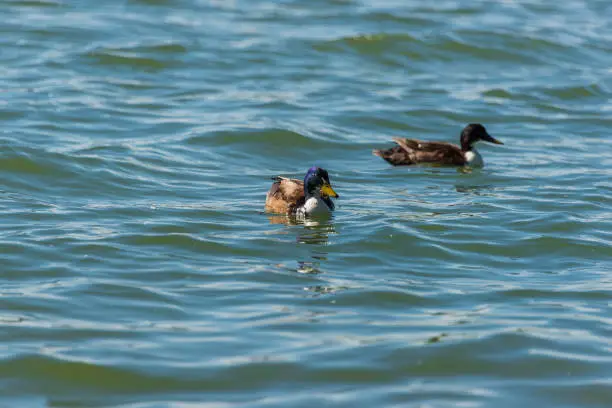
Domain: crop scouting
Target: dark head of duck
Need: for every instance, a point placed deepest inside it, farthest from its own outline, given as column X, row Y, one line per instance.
column 316, row 183
column 474, row 133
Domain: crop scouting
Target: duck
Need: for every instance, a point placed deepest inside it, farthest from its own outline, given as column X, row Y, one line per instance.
column 308, row 198
column 412, row 151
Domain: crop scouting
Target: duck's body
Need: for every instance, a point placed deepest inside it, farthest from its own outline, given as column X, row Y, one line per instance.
column 299, row 198
column 412, row 151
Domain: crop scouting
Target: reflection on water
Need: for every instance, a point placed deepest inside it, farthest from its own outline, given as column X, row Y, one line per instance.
column 282, row 219
column 482, row 190
column 319, row 290
column 309, row 267
column 314, row 232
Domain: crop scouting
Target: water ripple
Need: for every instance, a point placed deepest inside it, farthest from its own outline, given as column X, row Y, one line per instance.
column 138, row 143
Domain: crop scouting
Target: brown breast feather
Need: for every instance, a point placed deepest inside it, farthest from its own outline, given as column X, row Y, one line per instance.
column 285, row 195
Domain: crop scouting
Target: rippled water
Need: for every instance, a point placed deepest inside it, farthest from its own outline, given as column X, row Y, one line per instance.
column 138, row 139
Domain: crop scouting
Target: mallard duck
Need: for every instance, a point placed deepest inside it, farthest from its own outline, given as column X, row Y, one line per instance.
column 412, row 151
column 310, row 197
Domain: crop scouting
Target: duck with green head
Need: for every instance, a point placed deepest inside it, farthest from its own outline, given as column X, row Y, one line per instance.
column 308, row 198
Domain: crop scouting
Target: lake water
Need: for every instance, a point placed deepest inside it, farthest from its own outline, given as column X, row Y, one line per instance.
column 137, row 142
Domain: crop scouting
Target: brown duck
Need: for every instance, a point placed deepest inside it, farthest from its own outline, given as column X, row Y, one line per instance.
column 310, row 197
column 412, row 151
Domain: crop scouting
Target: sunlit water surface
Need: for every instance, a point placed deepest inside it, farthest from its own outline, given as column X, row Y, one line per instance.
column 137, row 142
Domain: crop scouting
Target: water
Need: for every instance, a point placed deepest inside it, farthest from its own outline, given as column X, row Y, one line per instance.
column 137, row 143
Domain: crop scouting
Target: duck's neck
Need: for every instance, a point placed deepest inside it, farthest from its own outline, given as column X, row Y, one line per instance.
column 309, row 194
column 466, row 146
column 473, row 158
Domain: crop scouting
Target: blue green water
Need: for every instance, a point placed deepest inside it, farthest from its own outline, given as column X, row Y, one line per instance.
column 137, row 142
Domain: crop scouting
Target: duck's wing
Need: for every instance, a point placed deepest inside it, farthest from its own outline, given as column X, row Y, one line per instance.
column 412, row 151
column 285, row 195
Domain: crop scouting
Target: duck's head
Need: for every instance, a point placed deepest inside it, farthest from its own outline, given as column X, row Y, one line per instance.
column 474, row 133
column 316, row 183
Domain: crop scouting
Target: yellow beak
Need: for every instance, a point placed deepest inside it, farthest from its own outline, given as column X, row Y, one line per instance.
column 327, row 190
